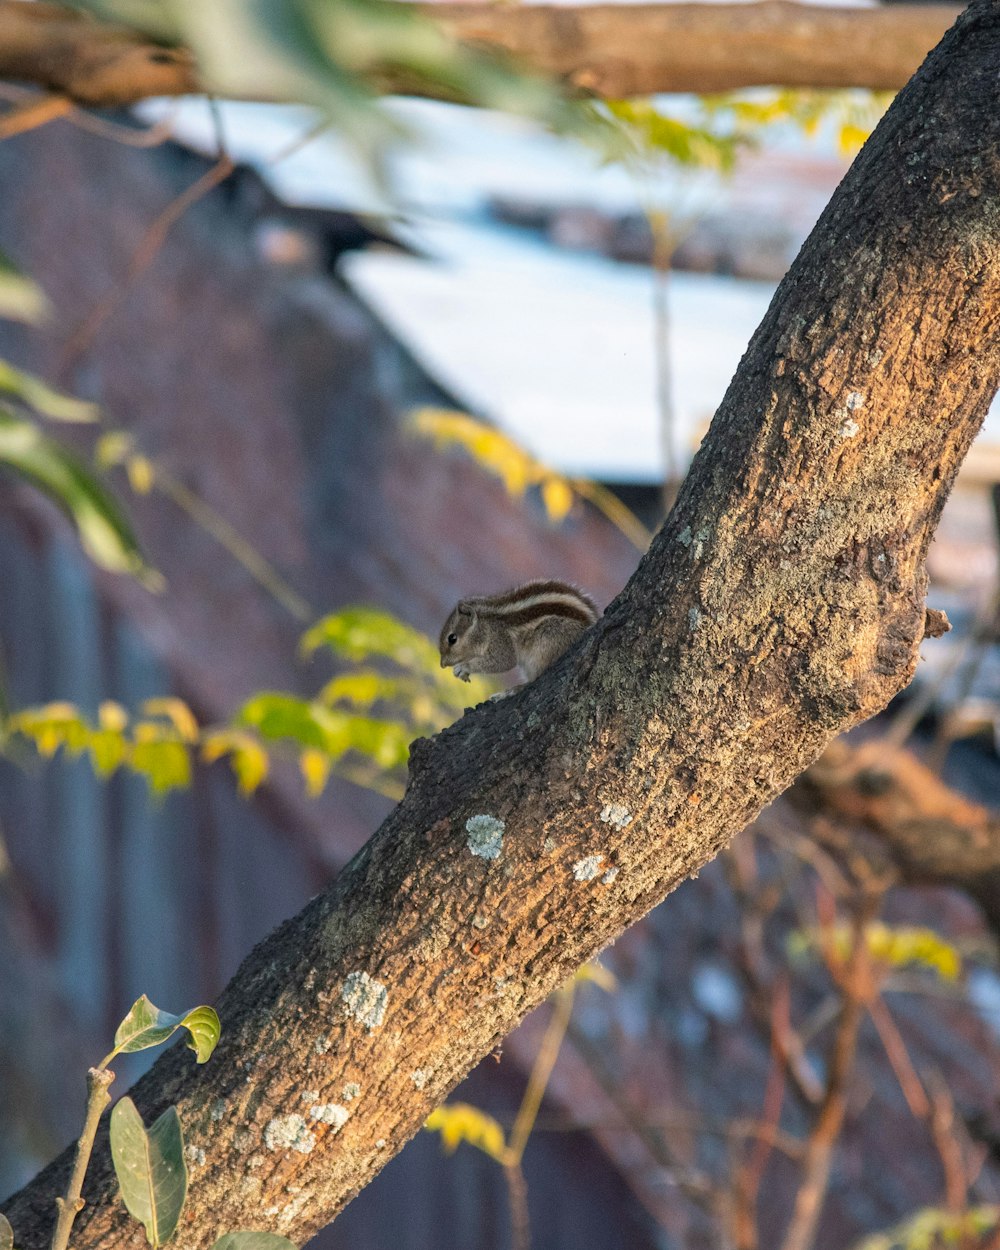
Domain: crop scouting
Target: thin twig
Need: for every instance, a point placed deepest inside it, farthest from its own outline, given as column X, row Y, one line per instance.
column 517, row 1196
column 855, row 982
column 545, row 1061
column 899, row 1059
column 233, row 541
column 132, row 136
column 619, row 514
column 750, row 1177
column 152, row 241
column 33, row 113
column 527, row 1114
column 98, row 1081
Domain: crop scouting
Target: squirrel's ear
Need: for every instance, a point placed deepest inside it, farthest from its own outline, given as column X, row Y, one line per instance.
column 464, row 609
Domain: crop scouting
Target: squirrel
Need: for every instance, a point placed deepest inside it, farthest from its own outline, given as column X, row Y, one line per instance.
column 529, row 626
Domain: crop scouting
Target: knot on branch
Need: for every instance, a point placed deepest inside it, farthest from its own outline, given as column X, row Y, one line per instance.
column 936, row 623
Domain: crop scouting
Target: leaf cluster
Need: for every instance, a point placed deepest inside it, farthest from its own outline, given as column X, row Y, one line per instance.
column 361, row 721
column 336, row 55
column 31, row 453
column 892, row 946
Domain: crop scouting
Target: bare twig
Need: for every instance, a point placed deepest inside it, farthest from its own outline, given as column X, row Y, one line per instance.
column 33, row 113
column 143, row 256
column 98, row 1081
column 854, row 978
column 895, row 1049
column 749, row 1177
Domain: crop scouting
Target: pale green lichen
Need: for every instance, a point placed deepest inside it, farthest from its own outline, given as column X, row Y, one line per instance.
column 350, row 1091
column 310, row 1095
column 289, row 1132
column 587, row 869
column 194, row 1155
column 331, row 1113
column 616, row 814
column 365, row 999
column 485, row 836
column 218, row 1109
column 609, row 876
column 321, row 1045
column 419, row 1078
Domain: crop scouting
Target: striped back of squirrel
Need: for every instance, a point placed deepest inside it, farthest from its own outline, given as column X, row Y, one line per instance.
column 526, row 604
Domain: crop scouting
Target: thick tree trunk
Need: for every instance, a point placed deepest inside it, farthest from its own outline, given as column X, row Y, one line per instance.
column 610, row 49
column 782, row 602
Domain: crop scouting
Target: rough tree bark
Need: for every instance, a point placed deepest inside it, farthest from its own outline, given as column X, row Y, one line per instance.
column 781, row 603
column 612, row 50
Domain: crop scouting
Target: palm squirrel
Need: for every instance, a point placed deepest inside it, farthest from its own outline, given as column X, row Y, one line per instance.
column 529, row 626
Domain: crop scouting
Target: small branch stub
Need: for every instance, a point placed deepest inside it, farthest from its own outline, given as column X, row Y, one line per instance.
column 936, row 623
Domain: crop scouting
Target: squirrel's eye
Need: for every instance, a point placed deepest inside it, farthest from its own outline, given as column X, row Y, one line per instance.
column 452, row 639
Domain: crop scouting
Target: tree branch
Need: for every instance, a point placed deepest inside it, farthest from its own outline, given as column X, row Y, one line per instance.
column 617, row 50
column 932, row 834
column 781, row 603
column 609, row 49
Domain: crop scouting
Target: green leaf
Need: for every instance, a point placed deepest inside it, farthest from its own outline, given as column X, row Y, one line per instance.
column 105, row 534
column 20, row 298
column 161, row 758
column 275, row 715
column 146, row 1026
column 337, row 57
column 253, row 1241
column 357, row 633
column 7, row 1235
column 150, row 1168
column 40, row 396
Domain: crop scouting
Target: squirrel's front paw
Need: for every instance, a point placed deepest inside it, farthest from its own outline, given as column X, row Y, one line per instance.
column 461, row 672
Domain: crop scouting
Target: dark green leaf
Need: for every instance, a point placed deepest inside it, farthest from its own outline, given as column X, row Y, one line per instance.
column 150, row 1168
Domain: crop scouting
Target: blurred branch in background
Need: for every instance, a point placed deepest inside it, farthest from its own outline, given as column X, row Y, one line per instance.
column 608, row 50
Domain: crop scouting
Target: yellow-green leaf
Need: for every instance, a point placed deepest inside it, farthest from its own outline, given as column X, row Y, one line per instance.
column 458, row 1122
column 315, row 769
column 557, row 496
column 105, row 534
column 146, row 1025
column 35, row 393
column 177, row 712
column 598, row 974
column 140, row 473
column 112, row 716
column 21, row 299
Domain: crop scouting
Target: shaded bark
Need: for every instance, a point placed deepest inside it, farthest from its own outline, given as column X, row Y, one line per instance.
column 928, row 832
column 611, row 50
column 781, row 603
